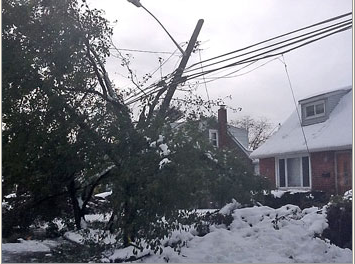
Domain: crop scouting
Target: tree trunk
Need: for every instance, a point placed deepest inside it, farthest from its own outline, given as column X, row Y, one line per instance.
column 76, row 208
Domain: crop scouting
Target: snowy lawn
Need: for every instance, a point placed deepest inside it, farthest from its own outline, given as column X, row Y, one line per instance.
column 29, row 246
column 257, row 234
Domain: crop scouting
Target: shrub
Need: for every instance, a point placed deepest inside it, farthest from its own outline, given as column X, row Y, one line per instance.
column 339, row 216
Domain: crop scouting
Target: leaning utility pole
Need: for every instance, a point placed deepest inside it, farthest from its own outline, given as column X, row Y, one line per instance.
column 177, row 77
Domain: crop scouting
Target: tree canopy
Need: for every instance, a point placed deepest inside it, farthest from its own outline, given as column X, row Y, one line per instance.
column 66, row 132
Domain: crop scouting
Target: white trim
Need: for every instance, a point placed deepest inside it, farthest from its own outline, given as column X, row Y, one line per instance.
column 314, row 108
column 210, row 132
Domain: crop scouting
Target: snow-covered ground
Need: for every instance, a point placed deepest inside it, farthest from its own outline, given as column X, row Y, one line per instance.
column 29, row 246
column 257, row 234
column 27, row 250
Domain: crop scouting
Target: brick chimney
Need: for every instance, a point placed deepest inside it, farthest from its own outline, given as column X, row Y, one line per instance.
column 222, row 126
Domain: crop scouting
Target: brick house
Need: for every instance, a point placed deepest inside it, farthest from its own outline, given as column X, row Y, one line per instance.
column 223, row 135
column 313, row 149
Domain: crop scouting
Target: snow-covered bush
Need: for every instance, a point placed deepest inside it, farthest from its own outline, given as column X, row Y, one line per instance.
column 301, row 198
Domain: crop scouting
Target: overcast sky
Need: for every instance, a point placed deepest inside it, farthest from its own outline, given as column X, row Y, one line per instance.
column 230, row 25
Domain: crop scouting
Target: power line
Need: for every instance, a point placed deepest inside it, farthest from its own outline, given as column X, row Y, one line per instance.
column 280, row 36
column 251, row 59
column 208, row 97
column 153, row 88
column 228, row 75
column 145, row 51
column 151, row 74
column 341, row 26
column 255, row 57
column 315, row 33
column 161, row 65
column 294, row 101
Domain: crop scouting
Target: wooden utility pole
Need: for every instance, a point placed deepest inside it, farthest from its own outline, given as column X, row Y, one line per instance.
column 177, row 77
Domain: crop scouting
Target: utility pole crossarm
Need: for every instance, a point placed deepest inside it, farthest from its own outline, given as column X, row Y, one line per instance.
column 177, row 77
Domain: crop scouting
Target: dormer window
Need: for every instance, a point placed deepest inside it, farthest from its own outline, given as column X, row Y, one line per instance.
column 316, row 109
column 213, row 135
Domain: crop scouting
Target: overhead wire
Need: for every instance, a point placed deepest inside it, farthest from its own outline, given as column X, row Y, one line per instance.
column 280, row 36
column 154, row 88
column 151, row 74
column 252, row 59
column 332, row 29
column 294, row 101
column 212, row 79
column 315, row 33
column 204, row 80
column 248, row 60
column 165, row 61
column 255, row 57
column 145, row 51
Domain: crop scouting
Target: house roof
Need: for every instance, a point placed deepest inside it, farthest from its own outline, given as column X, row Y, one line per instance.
column 333, row 134
column 326, row 93
column 240, row 135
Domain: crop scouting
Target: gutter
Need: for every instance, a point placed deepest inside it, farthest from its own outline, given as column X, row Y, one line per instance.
column 271, row 155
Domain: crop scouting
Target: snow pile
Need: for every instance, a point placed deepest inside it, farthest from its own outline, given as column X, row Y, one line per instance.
column 163, row 162
column 229, row 208
column 280, row 193
column 126, row 253
column 164, row 149
column 91, row 235
column 257, row 234
column 97, row 217
column 103, row 195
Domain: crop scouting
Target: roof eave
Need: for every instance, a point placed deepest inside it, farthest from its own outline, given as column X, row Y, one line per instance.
column 320, row 149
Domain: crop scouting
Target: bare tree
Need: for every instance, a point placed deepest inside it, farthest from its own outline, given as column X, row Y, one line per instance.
column 259, row 130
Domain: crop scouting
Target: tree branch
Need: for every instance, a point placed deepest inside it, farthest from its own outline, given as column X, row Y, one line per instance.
column 96, row 69
column 101, row 176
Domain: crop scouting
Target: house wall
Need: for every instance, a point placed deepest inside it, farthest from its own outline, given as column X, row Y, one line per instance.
column 323, row 171
column 225, row 141
column 230, row 144
column 344, row 170
column 331, row 171
column 267, row 169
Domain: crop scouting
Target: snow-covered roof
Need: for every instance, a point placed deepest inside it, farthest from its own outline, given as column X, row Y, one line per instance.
column 333, row 134
column 346, row 88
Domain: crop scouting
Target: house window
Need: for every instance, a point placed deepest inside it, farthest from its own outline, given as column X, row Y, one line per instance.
column 316, row 109
column 293, row 172
column 213, row 135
